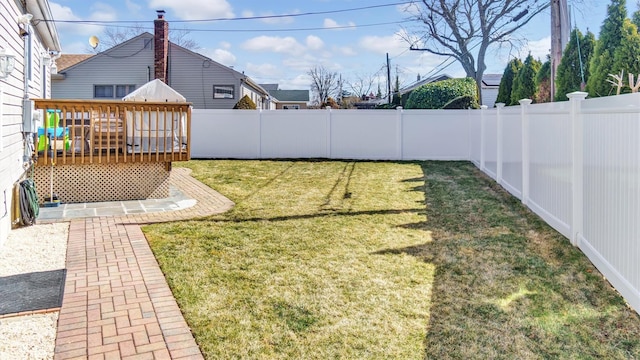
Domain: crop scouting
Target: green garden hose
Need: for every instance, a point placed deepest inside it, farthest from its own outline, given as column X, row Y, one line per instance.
column 29, row 208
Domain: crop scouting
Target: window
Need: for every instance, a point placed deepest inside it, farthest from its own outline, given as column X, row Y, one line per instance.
column 124, row 90
column 223, row 92
column 112, row 91
column 291, row 107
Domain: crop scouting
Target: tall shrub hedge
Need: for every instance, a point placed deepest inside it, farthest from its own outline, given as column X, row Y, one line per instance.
column 437, row 95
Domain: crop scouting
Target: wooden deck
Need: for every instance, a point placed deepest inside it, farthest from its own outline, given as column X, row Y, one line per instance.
column 93, row 131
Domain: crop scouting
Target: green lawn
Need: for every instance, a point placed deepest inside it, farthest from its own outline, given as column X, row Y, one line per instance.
column 382, row 260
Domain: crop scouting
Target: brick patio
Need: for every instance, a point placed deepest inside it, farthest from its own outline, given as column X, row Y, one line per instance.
column 117, row 304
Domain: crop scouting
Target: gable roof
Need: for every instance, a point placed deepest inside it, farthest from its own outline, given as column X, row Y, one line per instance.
column 290, row 95
column 147, row 35
column 270, row 87
column 68, row 60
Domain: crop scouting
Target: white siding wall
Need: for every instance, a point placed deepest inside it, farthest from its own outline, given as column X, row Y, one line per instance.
column 12, row 149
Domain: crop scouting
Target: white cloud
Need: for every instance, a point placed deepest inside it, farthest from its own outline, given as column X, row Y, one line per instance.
column 314, row 42
column 100, row 11
column 284, row 45
column 225, row 45
column 103, row 12
column 132, row 6
column 270, row 17
column 392, row 44
column 345, row 51
column 300, row 82
column 332, row 24
column 539, row 49
column 263, row 70
column 224, row 57
column 194, row 9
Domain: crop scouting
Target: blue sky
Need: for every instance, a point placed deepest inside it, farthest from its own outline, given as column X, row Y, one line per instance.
column 272, row 56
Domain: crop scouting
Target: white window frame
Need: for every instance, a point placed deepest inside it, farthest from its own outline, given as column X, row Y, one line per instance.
column 29, row 56
column 114, row 90
column 221, row 95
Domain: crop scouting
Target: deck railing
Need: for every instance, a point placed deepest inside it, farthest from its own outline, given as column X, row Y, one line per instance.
column 102, row 131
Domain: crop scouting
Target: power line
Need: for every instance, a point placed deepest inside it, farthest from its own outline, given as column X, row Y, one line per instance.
column 262, row 30
column 264, row 17
column 297, row 29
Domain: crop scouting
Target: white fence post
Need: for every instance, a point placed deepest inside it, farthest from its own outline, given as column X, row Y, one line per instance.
column 328, row 152
column 483, row 116
column 399, row 136
column 524, row 105
column 577, row 165
column 260, row 134
column 499, row 140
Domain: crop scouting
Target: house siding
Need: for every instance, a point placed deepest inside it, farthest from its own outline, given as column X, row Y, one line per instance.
column 129, row 64
column 489, row 96
column 194, row 76
column 12, row 88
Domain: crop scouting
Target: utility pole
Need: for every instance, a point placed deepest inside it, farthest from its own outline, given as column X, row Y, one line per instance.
column 559, row 37
column 388, row 79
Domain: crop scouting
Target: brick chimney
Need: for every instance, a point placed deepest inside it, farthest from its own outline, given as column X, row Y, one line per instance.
column 161, row 46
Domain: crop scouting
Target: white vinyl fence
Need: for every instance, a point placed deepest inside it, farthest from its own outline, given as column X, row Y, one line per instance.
column 576, row 163
column 332, row 134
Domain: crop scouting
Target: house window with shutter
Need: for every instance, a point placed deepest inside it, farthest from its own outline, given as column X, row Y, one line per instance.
column 223, row 92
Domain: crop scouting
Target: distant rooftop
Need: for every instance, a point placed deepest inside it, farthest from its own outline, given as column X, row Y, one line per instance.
column 290, row 95
column 68, row 60
column 491, row 79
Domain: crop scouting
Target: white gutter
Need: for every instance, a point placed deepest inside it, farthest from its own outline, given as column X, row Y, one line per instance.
column 47, row 29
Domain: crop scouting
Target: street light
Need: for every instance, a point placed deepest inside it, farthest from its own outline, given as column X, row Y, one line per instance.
column 7, row 63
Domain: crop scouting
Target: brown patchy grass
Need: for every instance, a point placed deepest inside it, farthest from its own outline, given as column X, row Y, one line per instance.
column 344, row 260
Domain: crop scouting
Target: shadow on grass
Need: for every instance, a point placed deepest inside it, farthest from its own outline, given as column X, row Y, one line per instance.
column 506, row 284
column 325, row 214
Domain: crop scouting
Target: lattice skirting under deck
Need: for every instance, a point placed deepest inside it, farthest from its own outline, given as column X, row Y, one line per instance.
column 103, row 182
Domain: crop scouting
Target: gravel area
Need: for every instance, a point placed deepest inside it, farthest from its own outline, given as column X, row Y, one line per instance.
column 30, row 249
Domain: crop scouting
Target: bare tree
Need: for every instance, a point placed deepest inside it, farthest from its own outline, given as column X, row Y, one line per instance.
column 113, row 36
column 361, row 84
column 324, row 83
column 464, row 29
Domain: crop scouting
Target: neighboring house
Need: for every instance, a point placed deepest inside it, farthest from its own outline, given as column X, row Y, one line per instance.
column 288, row 99
column 490, row 87
column 32, row 42
column 115, row 72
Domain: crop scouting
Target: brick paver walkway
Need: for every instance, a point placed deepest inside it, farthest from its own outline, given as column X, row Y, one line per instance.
column 117, row 304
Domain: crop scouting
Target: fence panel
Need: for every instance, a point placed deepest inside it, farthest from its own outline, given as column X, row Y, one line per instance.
column 611, row 230
column 511, row 140
column 475, row 135
column 294, row 134
column 225, row 134
column 550, row 152
column 490, row 150
column 436, row 134
column 365, row 134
